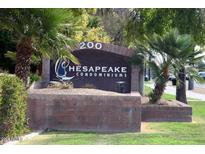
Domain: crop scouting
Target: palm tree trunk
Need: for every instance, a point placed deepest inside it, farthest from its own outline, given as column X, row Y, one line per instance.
column 181, row 87
column 23, row 58
column 158, row 90
column 191, row 84
column 141, row 80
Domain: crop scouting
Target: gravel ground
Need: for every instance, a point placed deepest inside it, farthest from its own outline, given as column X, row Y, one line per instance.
column 162, row 102
column 80, row 91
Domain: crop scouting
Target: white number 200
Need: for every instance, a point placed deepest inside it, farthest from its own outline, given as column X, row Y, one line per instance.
column 90, row 45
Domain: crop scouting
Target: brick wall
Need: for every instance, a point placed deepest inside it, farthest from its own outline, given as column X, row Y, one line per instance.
column 165, row 113
column 94, row 112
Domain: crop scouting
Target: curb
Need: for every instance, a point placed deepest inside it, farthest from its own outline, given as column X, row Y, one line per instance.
column 22, row 138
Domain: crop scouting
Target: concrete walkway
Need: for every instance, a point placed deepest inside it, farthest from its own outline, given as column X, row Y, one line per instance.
column 172, row 90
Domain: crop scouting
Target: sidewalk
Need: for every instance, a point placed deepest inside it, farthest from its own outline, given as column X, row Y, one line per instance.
column 172, row 90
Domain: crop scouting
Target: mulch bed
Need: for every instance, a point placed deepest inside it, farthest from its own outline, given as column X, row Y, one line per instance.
column 162, row 102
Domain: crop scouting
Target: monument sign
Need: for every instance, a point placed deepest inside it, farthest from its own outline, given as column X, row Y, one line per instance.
column 104, row 66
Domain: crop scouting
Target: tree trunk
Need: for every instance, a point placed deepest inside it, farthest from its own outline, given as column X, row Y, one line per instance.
column 149, row 74
column 141, row 80
column 149, row 70
column 191, row 84
column 23, row 58
column 160, row 85
column 181, row 87
column 157, row 92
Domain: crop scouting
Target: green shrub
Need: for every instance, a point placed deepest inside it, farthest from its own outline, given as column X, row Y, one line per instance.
column 12, row 107
column 34, row 77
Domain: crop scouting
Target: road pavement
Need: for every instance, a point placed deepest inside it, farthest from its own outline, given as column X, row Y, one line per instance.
column 172, row 90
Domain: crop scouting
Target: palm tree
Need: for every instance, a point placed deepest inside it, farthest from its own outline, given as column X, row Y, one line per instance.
column 178, row 56
column 187, row 61
column 36, row 30
column 160, row 49
column 161, row 76
column 185, row 47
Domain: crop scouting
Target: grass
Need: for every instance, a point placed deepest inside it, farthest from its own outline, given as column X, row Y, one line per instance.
column 147, row 90
column 152, row 133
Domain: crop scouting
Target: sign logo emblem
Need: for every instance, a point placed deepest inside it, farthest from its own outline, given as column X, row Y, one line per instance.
column 60, row 70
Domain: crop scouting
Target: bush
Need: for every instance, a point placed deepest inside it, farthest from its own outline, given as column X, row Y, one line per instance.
column 34, row 77
column 12, row 107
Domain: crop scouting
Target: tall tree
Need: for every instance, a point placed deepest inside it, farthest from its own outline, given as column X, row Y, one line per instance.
column 161, row 49
column 6, row 44
column 114, row 21
column 79, row 25
column 149, row 21
column 178, row 55
column 86, row 26
column 35, row 29
column 186, row 62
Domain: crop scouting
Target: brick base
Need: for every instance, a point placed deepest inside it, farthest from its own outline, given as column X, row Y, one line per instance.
column 167, row 113
column 99, row 112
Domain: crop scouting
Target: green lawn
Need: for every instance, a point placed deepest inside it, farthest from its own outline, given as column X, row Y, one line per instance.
column 152, row 133
column 147, row 90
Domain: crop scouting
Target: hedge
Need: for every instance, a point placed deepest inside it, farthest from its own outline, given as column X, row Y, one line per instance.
column 12, row 107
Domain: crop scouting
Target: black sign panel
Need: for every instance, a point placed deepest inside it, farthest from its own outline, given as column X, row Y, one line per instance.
column 102, row 69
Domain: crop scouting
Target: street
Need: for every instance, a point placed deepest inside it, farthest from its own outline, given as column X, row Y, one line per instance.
column 198, row 92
